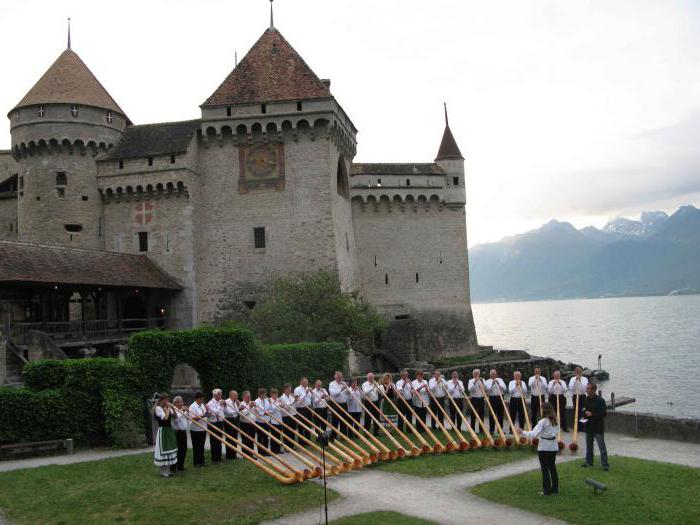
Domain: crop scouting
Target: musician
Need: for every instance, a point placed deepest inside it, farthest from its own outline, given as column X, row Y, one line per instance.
column 180, row 425
column 538, row 388
column 262, row 420
column 198, row 412
column 319, row 402
column 231, row 415
column 495, row 388
column 578, row 387
column 275, row 422
column 302, row 393
column 422, row 400
column 215, row 417
column 165, row 454
column 370, row 393
column 476, row 396
column 437, row 388
column 338, row 390
column 517, row 390
column 388, row 387
column 595, row 411
column 246, row 417
column 355, row 403
column 557, row 389
column 455, row 388
column 547, row 430
column 403, row 388
column 288, row 402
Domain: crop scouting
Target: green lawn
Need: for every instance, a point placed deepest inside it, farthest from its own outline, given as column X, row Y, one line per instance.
column 639, row 491
column 485, row 356
column 128, row 490
column 381, row 518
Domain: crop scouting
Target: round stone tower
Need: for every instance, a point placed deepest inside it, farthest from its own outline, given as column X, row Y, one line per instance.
column 57, row 130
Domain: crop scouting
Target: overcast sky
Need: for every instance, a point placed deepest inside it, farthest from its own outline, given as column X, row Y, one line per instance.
column 574, row 109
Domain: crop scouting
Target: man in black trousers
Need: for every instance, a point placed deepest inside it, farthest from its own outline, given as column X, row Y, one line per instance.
column 595, row 411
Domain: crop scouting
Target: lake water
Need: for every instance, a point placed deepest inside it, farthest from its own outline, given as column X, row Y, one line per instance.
column 650, row 345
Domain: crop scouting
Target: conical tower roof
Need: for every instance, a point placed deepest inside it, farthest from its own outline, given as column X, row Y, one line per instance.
column 69, row 81
column 271, row 71
column 448, row 145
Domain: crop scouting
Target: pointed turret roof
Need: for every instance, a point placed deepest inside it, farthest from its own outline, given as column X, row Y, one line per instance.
column 69, row 81
column 448, row 146
column 271, row 71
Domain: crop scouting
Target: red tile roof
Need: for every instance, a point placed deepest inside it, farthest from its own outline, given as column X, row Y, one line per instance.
column 272, row 71
column 448, row 147
column 22, row 262
column 69, row 81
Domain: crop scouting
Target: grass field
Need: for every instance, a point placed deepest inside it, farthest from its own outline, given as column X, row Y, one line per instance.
column 639, row 491
column 381, row 518
column 128, row 490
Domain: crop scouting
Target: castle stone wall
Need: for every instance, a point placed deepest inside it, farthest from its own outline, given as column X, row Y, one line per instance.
column 8, row 219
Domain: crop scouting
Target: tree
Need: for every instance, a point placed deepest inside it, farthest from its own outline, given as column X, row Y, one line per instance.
column 312, row 308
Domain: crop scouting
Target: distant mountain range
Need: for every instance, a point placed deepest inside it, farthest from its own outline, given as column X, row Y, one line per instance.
column 656, row 255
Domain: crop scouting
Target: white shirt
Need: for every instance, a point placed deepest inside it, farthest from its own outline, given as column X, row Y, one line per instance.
column 215, row 412
column 437, row 387
column 197, row 412
column 160, row 412
column 494, row 386
column 370, row 391
column 244, row 410
column 514, row 391
column 423, row 397
column 455, row 388
column 304, row 396
column 404, row 388
column 276, row 411
column 179, row 421
column 260, row 407
column 558, row 389
column 547, row 433
column 288, row 404
column 338, row 391
column 231, row 408
column 318, row 396
column 578, row 387
column 355, row 400
column 538, row 388
column 474, row 388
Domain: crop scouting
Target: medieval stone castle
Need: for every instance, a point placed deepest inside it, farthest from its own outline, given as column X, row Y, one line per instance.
column 263, row 184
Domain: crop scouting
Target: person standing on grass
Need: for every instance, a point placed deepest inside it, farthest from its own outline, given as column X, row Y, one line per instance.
column 215, row 415
column 231, row 415
column 476, row 396
column 197, row 413
column 595, row 410
column 165, row 454
column 578, row 387
column 557, row 389
column 355, row 404
column 180, row 424
column 546, row 430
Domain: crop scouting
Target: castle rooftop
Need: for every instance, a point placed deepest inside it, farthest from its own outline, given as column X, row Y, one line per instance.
column 69, row 81
column 167, row 138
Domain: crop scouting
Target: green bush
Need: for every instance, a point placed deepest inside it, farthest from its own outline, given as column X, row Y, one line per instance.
column 287, row 363
column 47, row 373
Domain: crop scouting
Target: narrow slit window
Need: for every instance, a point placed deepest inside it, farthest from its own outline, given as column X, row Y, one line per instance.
column 347, row 243
column 299, row 106
column 74, row 110
column 40, row 112
column 455, row 181
column 263, row 108
column 121, row 164
column 408, row 182
column 172, row 159
column 375, row 261
column 386, row 278
column 259, row 237
column 150, row 161
column 228, row 111
column 143, row 241
column 417, row 277
column 110, row 117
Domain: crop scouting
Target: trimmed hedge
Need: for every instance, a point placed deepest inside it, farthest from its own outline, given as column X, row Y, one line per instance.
column 287, row 363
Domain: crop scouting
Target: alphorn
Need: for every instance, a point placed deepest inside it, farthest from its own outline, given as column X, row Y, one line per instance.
column 500, row 442
column 488, row 441
column 439, row 448
column 347, row 419
column 560, row 442
column 464, row 445
column 276, row 474
column 376, row 446
column 514, row 430
column 452, row 445
column 400, row 451
column 573, row 446
column 527, row 416
column 475, row 442
column 415, row 450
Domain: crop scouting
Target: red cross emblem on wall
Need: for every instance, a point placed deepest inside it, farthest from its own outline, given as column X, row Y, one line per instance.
column 144, row 213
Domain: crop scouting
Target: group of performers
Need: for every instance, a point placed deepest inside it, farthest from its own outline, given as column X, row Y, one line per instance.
column 276, row 421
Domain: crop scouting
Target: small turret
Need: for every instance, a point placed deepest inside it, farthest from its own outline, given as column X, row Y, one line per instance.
column 450, row 159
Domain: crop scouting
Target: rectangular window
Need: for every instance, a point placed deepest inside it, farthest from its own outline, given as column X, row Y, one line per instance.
column 61, row 178
column 143, row 241
column 259, row 237
column 408, row 182
column 263, row 108
column 172, row 159
column 299, row 106
column 74, row 111
column 121, row 164
column 347, row 243
column 110, row 117
column 41, row 112
column 228, row 111
column 150, row 161
column 455, row 181
column 417, row 278
column 386, row 278
column 85, row 197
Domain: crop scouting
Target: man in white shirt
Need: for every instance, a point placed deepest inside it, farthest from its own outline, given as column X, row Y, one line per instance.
column 577, row 386
column 403, row 387
column 370, row 393
column 538, row 388
column 455, row 388
column 437, row 388
column 288, row 408
column 302, row 393
column 215, row 416
column 495, row 388
column 517, row 390
column 198, row 412
column 421, row 398
column 355, row 403
column 476, row 397
column 262, row 432
column 180, row 426
column 231, row 415
column 557, row 390
column 246, row 416
column 338, row 391
column 319, row 402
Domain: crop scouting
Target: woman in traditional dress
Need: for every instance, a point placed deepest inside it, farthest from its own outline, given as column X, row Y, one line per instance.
column 166, row 443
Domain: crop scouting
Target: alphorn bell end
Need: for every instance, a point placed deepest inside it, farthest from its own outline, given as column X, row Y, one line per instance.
column 463, row 446
column 509, row 442
column 401, row 452
column 308, row 474
column 535, row 442
column 438, row 448
column 358, row 464
column 393, row 456
column 384, row 456
column 486, row 443
column 415, row 451
column 561, row 445
column 499, row 443
column 426, row 449
column 299, row 476
column 573, row 447
column 522, row 441
column 373, row 458
column 475, row 443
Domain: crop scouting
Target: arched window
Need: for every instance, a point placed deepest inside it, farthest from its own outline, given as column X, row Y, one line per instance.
column 342, row 180
column 61, row 178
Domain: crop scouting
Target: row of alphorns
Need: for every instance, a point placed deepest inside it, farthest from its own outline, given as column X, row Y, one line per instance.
column 346, row 454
